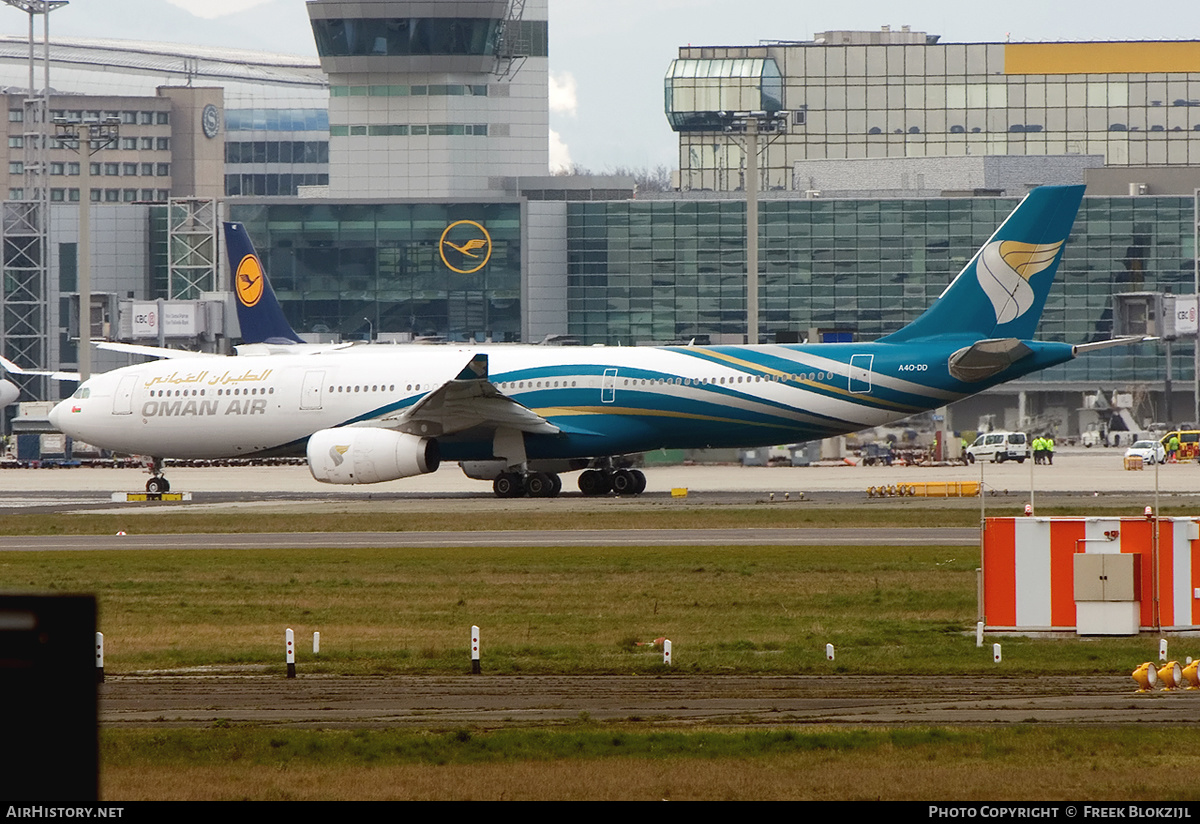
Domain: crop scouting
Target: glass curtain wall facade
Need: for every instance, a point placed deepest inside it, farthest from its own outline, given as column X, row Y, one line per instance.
column 675, row 270
column 1134, row 103
column 356, row 268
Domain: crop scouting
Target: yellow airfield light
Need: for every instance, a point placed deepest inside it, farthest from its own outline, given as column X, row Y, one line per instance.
column 1171, row 675
column 1146, row 677
column 1191, row 675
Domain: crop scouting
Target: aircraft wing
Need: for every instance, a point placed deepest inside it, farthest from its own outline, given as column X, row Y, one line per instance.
column 149, row 351
column 264, row 349
column 244, row 349
column 468, row 401
column 13, row 369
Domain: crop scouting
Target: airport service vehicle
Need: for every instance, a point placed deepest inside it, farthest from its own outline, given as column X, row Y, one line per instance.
column 1149, row 451
column 520, row 415
column 999, row 447
column 1189, row 443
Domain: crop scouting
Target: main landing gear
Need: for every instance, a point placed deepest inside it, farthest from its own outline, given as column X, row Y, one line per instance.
column 533, row 484
column 594, row 482
column 157, row 482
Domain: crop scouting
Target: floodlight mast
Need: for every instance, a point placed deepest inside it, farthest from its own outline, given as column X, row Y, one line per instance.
column 86, row 139
column 752, row 124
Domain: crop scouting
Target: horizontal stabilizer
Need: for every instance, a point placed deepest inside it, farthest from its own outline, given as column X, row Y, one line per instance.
column 1084, row 348
column 985, row 358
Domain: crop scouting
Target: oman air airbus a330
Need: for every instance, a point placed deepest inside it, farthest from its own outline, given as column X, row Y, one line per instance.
column 520, row 415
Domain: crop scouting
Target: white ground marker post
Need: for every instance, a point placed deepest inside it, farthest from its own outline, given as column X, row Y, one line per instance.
column 1162, row 649
column 475, row 667
column 316, row 643
column 99, row 657
column 995, row 653
column 667, row 652
column 829, row 652
column 978, row 634
column 291, row 653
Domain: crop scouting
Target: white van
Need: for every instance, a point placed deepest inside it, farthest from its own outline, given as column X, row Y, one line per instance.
column 999, row 447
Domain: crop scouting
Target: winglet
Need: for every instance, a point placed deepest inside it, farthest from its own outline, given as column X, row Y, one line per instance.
column 259, row 312
column 475, row 370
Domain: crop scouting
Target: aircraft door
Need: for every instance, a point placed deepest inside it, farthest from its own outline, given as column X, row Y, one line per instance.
column 312, row 389
column 123, row 399
column 860, row 373
column 608, row 389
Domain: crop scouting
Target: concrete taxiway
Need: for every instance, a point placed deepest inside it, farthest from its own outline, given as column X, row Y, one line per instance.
column 1076, row 472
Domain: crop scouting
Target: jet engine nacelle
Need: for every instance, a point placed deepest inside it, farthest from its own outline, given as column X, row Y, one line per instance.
column 361, row 455
column 8, row 392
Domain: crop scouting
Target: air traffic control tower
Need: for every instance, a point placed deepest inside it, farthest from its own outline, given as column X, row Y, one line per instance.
column 433, row 99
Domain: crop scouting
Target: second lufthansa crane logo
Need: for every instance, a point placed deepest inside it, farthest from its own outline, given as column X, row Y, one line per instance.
column 248, row 282
column 466, row 243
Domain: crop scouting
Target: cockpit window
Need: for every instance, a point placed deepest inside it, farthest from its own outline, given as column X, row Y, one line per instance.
column 82, row 392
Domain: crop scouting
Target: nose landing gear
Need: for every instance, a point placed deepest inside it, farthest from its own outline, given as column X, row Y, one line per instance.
column 157, row 482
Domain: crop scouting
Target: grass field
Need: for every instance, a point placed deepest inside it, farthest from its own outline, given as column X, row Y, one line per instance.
column 637, row 762
column 551, row 610
column 748, row 610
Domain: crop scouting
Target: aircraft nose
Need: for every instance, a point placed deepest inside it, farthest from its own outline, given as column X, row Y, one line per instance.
column 56, row 414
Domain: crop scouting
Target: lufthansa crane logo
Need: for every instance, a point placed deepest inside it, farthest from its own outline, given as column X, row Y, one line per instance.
column 466, row 243
column 248, row 282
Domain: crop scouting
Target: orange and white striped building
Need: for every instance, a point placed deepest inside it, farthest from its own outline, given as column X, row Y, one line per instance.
column 1029, row 570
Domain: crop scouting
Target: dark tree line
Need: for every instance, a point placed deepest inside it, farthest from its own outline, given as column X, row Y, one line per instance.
column 657, row 179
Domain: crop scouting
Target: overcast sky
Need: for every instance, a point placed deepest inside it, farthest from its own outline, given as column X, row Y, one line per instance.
column 608, row 57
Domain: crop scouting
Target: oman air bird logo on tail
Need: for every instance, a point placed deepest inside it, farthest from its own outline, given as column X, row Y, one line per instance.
column 1004, row 270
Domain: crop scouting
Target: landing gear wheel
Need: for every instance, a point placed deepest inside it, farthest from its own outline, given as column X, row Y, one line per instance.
column 540, row 485
column 508, row 485
column 157, row 485
column 639, row 479
column 970, row 458
column 594, row 482
column 557, row 484
column 623, row 482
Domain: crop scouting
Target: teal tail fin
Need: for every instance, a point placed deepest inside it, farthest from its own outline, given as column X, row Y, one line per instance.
column 1001, row 292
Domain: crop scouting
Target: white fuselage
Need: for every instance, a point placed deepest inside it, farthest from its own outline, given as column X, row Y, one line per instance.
column 639, row 397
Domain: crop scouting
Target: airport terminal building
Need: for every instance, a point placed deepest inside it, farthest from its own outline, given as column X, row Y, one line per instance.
column 415, row 200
